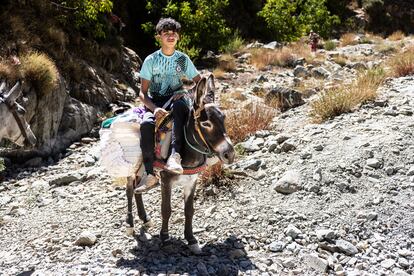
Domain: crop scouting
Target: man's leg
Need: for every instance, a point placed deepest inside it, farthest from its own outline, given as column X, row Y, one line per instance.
column 180, row 112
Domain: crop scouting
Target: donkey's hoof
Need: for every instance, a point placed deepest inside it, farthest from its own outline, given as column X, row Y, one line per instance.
column 130, row 231
column 148, row 224
column 195, row 248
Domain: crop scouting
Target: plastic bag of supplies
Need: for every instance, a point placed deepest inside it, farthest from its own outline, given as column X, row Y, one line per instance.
column 121, row 154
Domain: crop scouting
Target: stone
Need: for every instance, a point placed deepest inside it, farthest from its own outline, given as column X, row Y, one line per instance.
column 323, row 234
column 318, row 264
column 285, row 97
column 346, row 247
column 387, row 263
column 289, row 183
column 287, row 146
column 65, row 179
column 272, row 45
column 292, row 231
column 300, row 71
column 320, row 72
column 277, row 246
column 373, row 163
column 86, row 238
column 410, row 171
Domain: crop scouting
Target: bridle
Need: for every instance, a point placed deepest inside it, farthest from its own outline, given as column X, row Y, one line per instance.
column 197, row 113
column 13, row 109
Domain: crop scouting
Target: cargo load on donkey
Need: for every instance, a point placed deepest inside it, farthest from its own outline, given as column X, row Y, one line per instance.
column 121, row 154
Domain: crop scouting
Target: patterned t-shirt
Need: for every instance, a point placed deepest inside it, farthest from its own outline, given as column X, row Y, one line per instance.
column 165, row 73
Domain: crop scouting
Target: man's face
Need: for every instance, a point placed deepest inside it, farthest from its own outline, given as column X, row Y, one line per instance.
column 168, row 38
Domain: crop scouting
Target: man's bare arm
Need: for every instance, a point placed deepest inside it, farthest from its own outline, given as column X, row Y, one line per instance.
column 143, row 95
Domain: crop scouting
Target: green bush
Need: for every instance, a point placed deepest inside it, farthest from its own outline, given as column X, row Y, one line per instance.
column 88, row 16
column 2, row 166
column 235, row 44
column 329, row 45
column 203, row 25
column 291, row 19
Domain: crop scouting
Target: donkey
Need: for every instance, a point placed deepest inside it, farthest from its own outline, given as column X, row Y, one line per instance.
column 204, row 134
column 14, row 126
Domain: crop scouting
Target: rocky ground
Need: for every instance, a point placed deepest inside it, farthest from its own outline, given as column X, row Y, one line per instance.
column 310, row 199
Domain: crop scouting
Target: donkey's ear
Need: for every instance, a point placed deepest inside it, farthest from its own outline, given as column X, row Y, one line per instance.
column 209, row 98
column 200, row 92
column 14, row 93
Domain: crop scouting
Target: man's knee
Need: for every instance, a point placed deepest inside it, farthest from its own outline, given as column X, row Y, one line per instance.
column 180, row 106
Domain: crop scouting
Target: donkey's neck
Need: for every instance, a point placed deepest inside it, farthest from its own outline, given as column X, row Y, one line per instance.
column 190, row 157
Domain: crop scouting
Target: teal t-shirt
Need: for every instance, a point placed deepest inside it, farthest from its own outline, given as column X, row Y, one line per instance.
column 165, row 73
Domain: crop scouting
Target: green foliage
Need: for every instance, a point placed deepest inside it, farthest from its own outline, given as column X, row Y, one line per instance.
column 235, row 44
column 329, row 45
column 291, row 19
column 88, row 15
column 203, row 25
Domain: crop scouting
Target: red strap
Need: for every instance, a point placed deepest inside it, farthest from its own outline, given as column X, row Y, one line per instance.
column 187, row 171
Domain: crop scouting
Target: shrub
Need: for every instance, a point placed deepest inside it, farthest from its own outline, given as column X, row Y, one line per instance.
column 88, row 16
column 261, row 58
column 203, row 25
column 398, row 35
column 229, row 100
column 288, row 20
column 331, row 103
column 41, row 71
column 329, row 45
column 9, row 71
column 242, row 123
column 215, row 175
column 385, row 49
column 349, row 39
column 403, row 63
column 336, row 101
column 340, row 60
column 235, row 44
column 227, row 63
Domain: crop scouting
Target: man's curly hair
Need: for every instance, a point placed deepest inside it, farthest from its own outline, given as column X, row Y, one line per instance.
column 167, row 24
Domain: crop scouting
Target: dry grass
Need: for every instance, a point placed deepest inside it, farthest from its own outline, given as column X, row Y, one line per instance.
column 219, row 73
column 341, row 60
column 229, row 100
column 41, row 71
column 215, row 175
column 336, row 101
column 57, row 37
column 398, row 35
column 227, row 63
column 348, row 39
column 242, row 123
column 261, row 58
column 402, row 64
column 385, row 48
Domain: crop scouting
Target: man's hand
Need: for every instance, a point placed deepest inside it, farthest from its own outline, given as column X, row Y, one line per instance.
column 159, row 113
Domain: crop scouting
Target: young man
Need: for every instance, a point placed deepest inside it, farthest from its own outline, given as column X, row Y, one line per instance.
column 161, row 78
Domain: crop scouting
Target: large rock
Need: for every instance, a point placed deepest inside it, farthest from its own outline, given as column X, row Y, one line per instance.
column 289, row 183
column 286, row 97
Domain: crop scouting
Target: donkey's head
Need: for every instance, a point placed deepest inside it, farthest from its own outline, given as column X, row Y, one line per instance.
column 14, row 125
column 210, row 120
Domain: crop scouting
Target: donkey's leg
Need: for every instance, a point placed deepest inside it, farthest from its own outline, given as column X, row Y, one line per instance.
column 142, row 214
column 189, row 190
column 130, row 217
column 165, row 207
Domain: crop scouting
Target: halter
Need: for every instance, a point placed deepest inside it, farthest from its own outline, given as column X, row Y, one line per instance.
column 200, row 134
column 12, row 107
